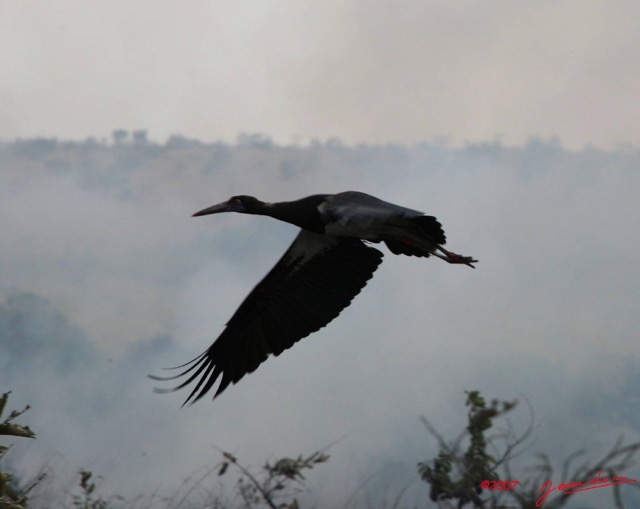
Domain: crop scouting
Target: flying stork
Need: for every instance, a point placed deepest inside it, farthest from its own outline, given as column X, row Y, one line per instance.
column 327, row 265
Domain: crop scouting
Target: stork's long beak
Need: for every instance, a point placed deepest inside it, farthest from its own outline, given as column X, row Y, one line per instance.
column 227, row 206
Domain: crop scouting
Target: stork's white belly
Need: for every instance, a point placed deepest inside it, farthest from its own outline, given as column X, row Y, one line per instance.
column 374, row 232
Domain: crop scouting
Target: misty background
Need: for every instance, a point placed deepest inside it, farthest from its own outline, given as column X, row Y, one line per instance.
column 516, row 125
column 107, row 278
column 364, row 71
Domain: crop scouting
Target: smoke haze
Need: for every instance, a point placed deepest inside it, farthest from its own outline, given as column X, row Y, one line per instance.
column 107, row 278
column 363, row 71
column 514, row 123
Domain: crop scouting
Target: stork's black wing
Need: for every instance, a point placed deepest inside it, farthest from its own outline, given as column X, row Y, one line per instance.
column 364, row 209
column 312, row 283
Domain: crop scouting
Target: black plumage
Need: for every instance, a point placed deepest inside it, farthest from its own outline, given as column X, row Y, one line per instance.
column 325, row 267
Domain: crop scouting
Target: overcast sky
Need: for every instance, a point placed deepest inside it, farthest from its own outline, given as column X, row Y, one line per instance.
column 549, row 315
column 369, row 71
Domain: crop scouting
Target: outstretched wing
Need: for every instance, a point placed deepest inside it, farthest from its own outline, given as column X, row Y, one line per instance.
column 374, row 219
column 312, row 283
column 363, row 209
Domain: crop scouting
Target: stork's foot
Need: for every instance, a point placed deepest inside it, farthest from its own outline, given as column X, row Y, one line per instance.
column 451, row 257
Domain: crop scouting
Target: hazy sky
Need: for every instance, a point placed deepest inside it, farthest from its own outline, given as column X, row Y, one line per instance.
column 550, row 314
column 371, row 71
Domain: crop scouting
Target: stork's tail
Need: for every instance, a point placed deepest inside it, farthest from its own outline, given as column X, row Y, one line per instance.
column 432, row 233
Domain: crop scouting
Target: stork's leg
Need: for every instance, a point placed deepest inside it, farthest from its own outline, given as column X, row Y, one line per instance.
column 451, row 257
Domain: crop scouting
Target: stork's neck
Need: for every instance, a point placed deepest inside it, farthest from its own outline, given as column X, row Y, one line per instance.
column 303, row 213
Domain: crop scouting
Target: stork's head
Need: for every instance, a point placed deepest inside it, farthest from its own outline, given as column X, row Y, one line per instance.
column 242, row 204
